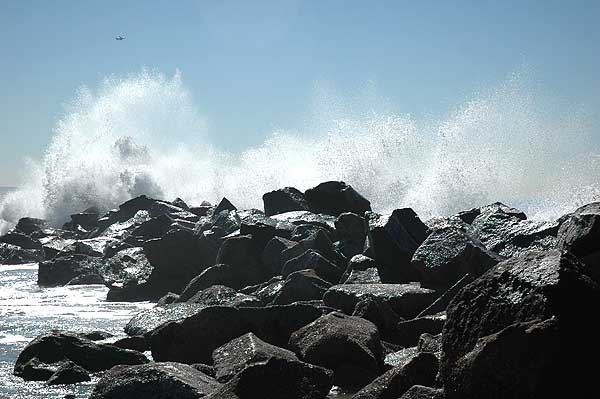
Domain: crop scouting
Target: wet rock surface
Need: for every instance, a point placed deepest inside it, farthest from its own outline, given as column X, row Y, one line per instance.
column 320, row 290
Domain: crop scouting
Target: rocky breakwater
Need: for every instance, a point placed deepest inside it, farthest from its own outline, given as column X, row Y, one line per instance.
column 320, row 290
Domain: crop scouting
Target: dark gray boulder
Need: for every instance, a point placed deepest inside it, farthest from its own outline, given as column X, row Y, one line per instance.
column 29, row 225
column 193, row 338
column 144, row 322
column 277, row 378
column 352, row 233
column 224, row 205
column 580, row 234
column 240, row 253
column 154, row 381
column 239, row 353
column 68, row 373
column 137, row 343
column 407, row 300
column 303, row 285
column 361, row 270
column 334, row 198
column 311, row 259
column 421, row 370
column 348, row 345
column 221, row 295
column 284, row 200
column 57, row 347
column 535, row 286
column 271, row 254
column 14, row 255
column 21, row 240
column 60, row 271
column 379, row 313
column 393, row 240
column 221, row 274
column 448, row 254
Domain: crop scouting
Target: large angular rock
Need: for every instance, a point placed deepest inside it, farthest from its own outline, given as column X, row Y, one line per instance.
column 127, row 273
column 284, row 200
column 193, row 338
column 154, row 381
column 448, row 254
column 241, row 253
column 423, row 392
column 271, row 254
column 177, row 257
column 221, row 295
column 28, row 225
column 507, row 231
column 407, row 300
column 311, row 259
column 21, row 240
column 57, row 347
column 348, row 345
column 318, row 241
column 63, row 270
column 420, row 370
column 303, row 285
column 334, row 198
column 580, row 234
column 239, row 353
column 379, row 313
column 352, row 234
column 69, row 373
column 393, row 240
column 277, row 378
column 229, row 276
column 146, row 321
column 14, row 255
column 536, row 286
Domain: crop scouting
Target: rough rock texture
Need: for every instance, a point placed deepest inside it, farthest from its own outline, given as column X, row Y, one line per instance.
column 62, row 270
column 277, row 378
column 240, row 253
column 14, row 255
column 303, row 285
column 271, row 255
column 409, row 331
column 580, row 234
column 311, row 259
column 334, row 198
column 423, row 392
column 352, row 234
column 535, row 286
column 394, row 239
column 421, row 370
column 147, row 320
column 221, row 295
column 237, row 354
column 284, row 200
column 348, row 345
column 379, row 313
column 56, row 347
column 154, row 381
column 440, row 304
column 357, row 264
column 192, row 339
column 69, row 373
column 448, row 254
column 407, row 300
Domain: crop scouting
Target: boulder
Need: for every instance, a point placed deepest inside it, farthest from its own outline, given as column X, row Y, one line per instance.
column 348, row 345
column 448, row 254
column 96, row 335
column 580, row 234
column 21, row 240
column 68, row 373
column 407, row 300
column 167, row 299
column 393, row 239
column 311, row 259
column 440, row 304
column 277, row 378
column 352, row 234
column 128, row 271
column 534, row 286
column 379, row 313
column 60, row 271
column 409, row 331
column 284, row 200
column 267, row 291
column 303, row 285
column 318, row 241
column 364, row 268
column 241, row 253
column 154, row 381
column 35, row 370
column 30, row 225
column 334, row 198
column 401, row 357
column 239, row 353
column 224, row 205
column 13, row 255
column 193, row 338
column 229, row 276
column 368, row 276
column 421, row 370
column 57, row 347
column 271, row 254
column 137, row 343
column 221, row 295
column 176, row 258
column 144, row 322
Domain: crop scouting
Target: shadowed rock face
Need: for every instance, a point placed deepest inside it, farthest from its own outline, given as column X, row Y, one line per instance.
column 59, row 347
column 340, row 342
column 334, row 198
column 154, row 381
column 580, row 234
column 536, row 286
column 284, row 200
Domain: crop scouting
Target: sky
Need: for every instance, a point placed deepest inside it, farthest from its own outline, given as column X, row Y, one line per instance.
column 253, row 66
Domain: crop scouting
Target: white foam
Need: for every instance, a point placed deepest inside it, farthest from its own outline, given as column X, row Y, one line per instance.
column 144, row 135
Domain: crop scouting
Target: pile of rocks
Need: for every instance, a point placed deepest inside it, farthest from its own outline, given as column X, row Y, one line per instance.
column 318, row 290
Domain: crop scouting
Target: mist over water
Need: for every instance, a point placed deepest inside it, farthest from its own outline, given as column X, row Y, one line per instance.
column 144, row 135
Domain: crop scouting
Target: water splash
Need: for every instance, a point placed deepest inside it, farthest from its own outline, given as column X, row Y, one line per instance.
column 144, row 135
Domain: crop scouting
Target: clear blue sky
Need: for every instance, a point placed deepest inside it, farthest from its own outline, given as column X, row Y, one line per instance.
column 252, row 65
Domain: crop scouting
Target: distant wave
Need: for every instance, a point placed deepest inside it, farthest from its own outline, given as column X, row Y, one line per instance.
column 145, row 135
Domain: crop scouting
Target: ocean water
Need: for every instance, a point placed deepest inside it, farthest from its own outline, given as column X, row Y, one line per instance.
column 27, row 311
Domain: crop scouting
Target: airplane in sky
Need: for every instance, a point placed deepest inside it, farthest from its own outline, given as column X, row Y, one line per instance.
column 119, row 38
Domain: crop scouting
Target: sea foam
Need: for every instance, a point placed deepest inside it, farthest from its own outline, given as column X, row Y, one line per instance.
column 145, row 135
